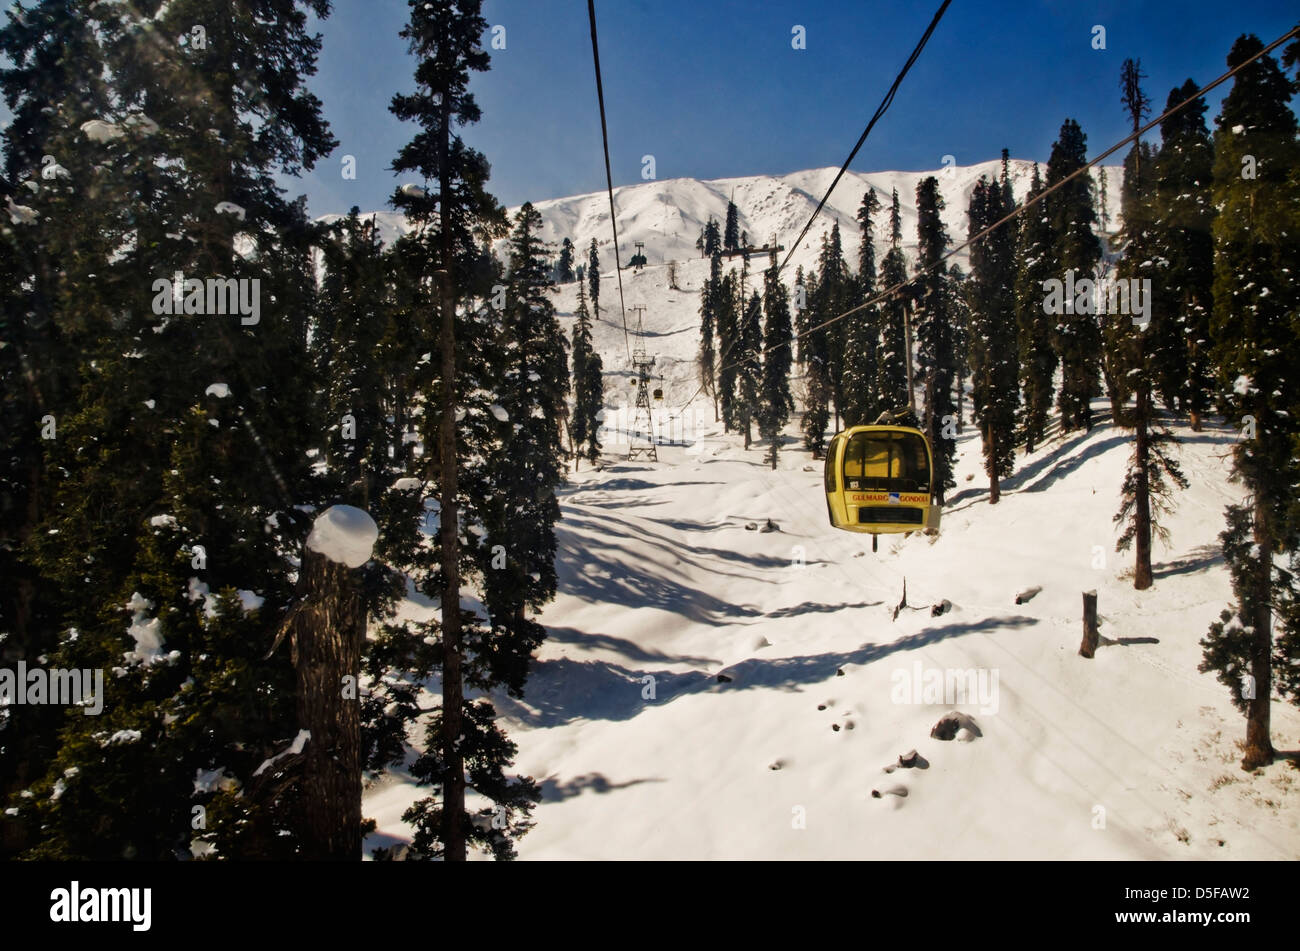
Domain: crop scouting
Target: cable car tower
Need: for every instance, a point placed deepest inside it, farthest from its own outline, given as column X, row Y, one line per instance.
column 641, row 442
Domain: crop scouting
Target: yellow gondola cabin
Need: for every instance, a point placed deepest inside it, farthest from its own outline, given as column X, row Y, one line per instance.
column 879, row 481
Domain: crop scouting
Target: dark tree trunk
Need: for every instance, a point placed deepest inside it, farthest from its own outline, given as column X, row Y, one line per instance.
column 1116, row 403
column 453, row 690
column 328, row 632
column 1091, row 633
column 1142, row 502
column 961, row 393
column 995, row 490
column 1259, row 746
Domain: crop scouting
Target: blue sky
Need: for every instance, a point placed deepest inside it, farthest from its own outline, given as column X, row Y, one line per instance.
column 712, row 88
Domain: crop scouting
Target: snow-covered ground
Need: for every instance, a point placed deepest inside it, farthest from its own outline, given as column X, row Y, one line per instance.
column 642, row 752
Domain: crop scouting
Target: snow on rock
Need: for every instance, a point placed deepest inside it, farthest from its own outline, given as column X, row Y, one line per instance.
column 97, row 130
column 407, row 484
column 219, row 390
column 344, row 534
column 952, row 723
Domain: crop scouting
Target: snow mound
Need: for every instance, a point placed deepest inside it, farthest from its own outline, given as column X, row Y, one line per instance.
column 344, row 534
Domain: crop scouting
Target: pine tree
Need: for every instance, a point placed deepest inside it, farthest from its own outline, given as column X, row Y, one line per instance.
column 1256, row 295
column 862, row 333
column 1038, row 360
column 593, row 277
column 1103, row 190
column 479, row 348
column 959, row 307
column 709, row 302
column 1133, row 348
column 815, row 357
column 520, row 479
column 834, row 292
column 51, row 57
column 588, row 387
column 1076, row 248
column 158, row 461
column 728, row 330
column 936, row 361
column 565, row 267
column 731, row 234
column 1181, row 232
column 775, row 403
column 891, row 378
column 749, row 372
column 993, row 356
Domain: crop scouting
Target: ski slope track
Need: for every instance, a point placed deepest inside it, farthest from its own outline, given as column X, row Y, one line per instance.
column 644, row 751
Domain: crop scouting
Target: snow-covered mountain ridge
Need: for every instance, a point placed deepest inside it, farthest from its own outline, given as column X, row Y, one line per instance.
column 667, row 216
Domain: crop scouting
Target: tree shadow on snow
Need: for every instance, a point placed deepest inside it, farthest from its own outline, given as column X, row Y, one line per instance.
column 1199, row 560
column 1061, row 467
column 809, row 607
column 561, row 690
column 629, row 649
column 790, row 673
column 553, row 790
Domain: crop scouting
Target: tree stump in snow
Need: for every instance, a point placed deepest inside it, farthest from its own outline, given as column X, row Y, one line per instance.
column 1090, row 631
column 328, row 627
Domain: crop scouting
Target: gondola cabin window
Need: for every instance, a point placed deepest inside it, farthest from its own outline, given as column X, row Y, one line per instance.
column 886, row 462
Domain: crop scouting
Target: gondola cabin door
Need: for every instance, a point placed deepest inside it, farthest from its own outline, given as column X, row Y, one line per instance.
column 879, row 481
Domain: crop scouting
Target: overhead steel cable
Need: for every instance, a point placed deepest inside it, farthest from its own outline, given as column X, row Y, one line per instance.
column 609, row 178
column 880, row 111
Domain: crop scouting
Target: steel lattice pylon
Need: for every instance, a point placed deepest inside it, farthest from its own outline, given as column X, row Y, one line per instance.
column 642, row 442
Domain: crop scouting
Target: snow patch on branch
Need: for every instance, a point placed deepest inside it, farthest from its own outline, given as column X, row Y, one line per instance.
column 294, row 749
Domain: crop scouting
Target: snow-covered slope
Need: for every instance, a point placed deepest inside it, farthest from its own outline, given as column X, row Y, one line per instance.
column 643, row 751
